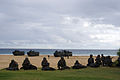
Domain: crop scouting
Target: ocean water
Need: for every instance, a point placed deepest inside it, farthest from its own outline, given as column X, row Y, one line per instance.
column 76, row 52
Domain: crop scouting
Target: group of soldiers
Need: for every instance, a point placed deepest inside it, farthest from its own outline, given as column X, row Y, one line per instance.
column 104, row 61
column 26, row 65
column 100, row 60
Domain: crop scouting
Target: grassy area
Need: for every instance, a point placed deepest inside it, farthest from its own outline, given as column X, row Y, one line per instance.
column 81, row 74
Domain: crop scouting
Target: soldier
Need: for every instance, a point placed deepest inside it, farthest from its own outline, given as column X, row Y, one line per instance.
column 45, row 65
column 27, row 65
column 48, row 56
column 62, row 64
column 13, row 65
column 98, row 60
column 90, row 60
column 103, row 59
column 77, row 65
column 108, row 61
column 26, row 62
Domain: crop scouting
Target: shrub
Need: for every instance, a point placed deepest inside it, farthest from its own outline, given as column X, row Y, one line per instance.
column 118, row 53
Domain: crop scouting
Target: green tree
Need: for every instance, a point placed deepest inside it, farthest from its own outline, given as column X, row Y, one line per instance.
column 118, row 53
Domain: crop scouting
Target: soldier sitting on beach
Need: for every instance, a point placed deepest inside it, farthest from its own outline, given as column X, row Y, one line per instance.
column 98, row 60
column 27, row 65
column 45, row 65
column 62, row 64
column 91, row 62
column 108, row 61
column 77, row 65
column 103, row 60
column 13, row 65
column 118, row 64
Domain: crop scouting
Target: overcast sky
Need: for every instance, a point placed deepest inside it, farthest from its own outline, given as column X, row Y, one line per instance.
column 56, row 24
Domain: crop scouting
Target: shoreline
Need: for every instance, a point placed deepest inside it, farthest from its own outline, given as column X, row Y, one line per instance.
column 36, row 60
column 73, row 54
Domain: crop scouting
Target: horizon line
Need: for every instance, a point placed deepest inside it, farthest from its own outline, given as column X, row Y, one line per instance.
column 68, row 48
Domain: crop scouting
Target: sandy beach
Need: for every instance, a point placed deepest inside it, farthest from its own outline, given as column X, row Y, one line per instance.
column 6, row 59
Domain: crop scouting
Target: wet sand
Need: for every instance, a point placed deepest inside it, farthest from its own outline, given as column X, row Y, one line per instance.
column 6, row 59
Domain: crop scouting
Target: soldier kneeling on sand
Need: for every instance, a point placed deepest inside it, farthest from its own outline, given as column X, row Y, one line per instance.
column 13, row 65
column 45, row 65
column 27, row 65
column 98, row 60
column 91, row 62
column 102, row 60
column 62, row 64
column 77, row 65
column 108, row 61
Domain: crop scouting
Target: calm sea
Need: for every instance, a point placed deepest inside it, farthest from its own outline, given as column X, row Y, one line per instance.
column 76, row 52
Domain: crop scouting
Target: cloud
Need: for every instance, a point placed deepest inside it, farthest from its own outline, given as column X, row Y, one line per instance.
column 59, row 24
